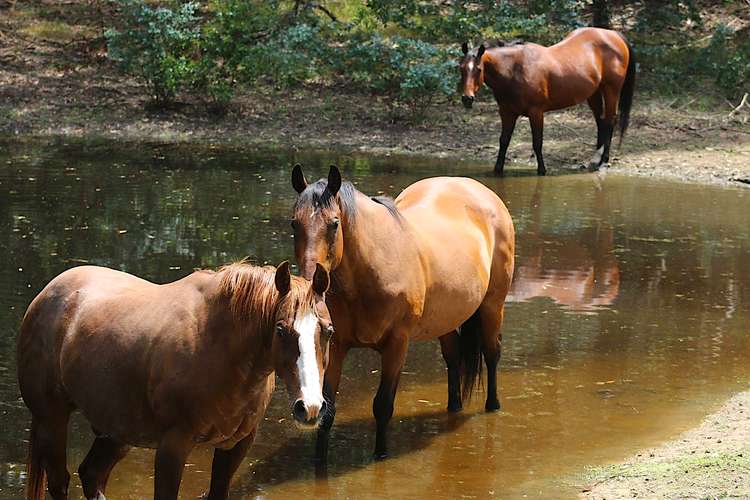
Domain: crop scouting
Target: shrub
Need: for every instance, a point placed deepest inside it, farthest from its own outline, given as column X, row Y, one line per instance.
column 156, row 44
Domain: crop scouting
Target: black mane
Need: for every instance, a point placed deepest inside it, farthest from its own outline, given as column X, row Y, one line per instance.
column 318, row 196
column 491, row 44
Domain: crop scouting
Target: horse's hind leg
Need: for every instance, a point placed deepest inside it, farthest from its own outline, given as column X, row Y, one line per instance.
column 491, row 318
column 536, row 120
column 597, row 108
column 49, row 442
column 450, row 345
column 98, row 464
column 611, row 101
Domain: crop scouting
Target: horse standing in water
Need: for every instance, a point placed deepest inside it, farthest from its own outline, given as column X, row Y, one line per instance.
column 435, row 263
column 167, row 367
column 590, row 64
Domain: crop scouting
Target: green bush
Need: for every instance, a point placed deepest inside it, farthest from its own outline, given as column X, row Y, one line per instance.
column 729, row 56
column 156, row 44
column 406, row 70
column 403, row 50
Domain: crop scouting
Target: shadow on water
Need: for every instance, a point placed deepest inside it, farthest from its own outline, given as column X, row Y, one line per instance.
column 350, row 450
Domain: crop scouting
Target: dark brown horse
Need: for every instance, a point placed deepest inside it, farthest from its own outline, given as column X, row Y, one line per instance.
column 590, row 64
column 435, row 263
column 167, row 367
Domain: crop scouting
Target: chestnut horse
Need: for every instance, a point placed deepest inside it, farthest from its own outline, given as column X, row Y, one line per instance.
column 167, row 367
column 435, row 263
column 590, row 64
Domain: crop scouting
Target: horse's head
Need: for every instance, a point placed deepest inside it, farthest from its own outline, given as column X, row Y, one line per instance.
column 300, row 342
column 472, row 74
column 317, row 221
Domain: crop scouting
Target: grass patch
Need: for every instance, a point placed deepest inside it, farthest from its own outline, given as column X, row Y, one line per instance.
column 702, row 464
column 55, row 31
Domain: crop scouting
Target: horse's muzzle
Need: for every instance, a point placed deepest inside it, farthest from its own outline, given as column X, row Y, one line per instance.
column 467, row 100
column 307, row 417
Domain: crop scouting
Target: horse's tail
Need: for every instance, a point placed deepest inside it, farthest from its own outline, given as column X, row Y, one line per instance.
column 36, row 478
column 626, row 94
column 470, row 338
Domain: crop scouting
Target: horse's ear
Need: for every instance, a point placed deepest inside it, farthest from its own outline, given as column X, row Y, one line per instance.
column 334, row 180
column 480, row 52
column 465, row 48
column 298, row 179
column 283, row 279
column 321, row 280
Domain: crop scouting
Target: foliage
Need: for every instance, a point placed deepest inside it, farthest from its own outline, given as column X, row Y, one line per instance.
column 402, row 50
column 729, row 56
column 155, row 44
column 404, row 69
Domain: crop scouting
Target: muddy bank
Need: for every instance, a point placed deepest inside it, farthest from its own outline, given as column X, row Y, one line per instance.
column 709, row 461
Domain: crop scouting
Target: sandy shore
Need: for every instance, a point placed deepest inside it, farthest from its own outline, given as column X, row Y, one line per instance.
column 709, row 461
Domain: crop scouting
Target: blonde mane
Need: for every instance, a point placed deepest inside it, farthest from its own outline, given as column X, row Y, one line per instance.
column 253, row 298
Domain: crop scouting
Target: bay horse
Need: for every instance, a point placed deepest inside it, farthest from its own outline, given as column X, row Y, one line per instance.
column 436, row 263
column 591, row 64
column 167, row 367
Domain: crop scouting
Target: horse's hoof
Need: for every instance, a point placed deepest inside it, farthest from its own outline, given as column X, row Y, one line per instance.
column 541, row 172
column 492, row 405
column 380, row 455
column 498, row 173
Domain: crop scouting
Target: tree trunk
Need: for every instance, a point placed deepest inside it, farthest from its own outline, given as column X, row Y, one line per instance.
column 600, row 9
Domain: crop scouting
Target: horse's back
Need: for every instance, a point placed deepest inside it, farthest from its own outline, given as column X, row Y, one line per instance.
column 607, row 47
column 93, row 332
column 467, row 241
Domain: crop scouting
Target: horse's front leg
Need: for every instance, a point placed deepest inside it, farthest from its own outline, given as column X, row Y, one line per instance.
column 330, row 388
column 536, row 120
column 392, row 358
column 224, row 466
column 171, row 455
column 509, row 124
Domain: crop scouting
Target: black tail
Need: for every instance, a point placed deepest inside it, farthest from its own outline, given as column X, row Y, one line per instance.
column 626, row 94
column 36, row 478
column 470, row 338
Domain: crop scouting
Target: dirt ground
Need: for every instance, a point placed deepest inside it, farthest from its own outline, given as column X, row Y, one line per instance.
column 710, row 461
column 55, row 80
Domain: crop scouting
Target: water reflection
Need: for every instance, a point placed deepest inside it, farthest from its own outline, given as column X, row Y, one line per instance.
column 577, row 270
column 629, row 318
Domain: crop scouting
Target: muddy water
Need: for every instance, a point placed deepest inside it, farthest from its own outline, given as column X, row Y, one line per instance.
column 629, row 318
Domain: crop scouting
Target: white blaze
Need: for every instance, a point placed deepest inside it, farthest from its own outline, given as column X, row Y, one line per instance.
column 307, row 363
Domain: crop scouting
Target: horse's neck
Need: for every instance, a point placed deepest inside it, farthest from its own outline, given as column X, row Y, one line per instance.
column 377, row 246
column 247, row 339
column 500, row 76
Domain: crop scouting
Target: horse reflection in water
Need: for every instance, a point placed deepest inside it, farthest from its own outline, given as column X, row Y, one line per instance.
column 578, row 271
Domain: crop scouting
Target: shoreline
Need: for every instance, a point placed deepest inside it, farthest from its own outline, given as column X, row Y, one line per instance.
column 711, row 460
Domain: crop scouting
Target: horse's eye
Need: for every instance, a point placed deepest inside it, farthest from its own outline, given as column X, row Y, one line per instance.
column 334, row 223
column 280, row 329
column 293, row 222
column 328, row 332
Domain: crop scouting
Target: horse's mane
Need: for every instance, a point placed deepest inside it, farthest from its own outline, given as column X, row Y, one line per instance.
column 498, row 43
column 253, row 298
column 318, row 196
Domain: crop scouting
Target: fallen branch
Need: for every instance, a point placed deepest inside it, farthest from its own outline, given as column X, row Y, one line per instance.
column 742, row 104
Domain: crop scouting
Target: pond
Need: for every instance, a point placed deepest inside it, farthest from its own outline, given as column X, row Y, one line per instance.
column 627, row 323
